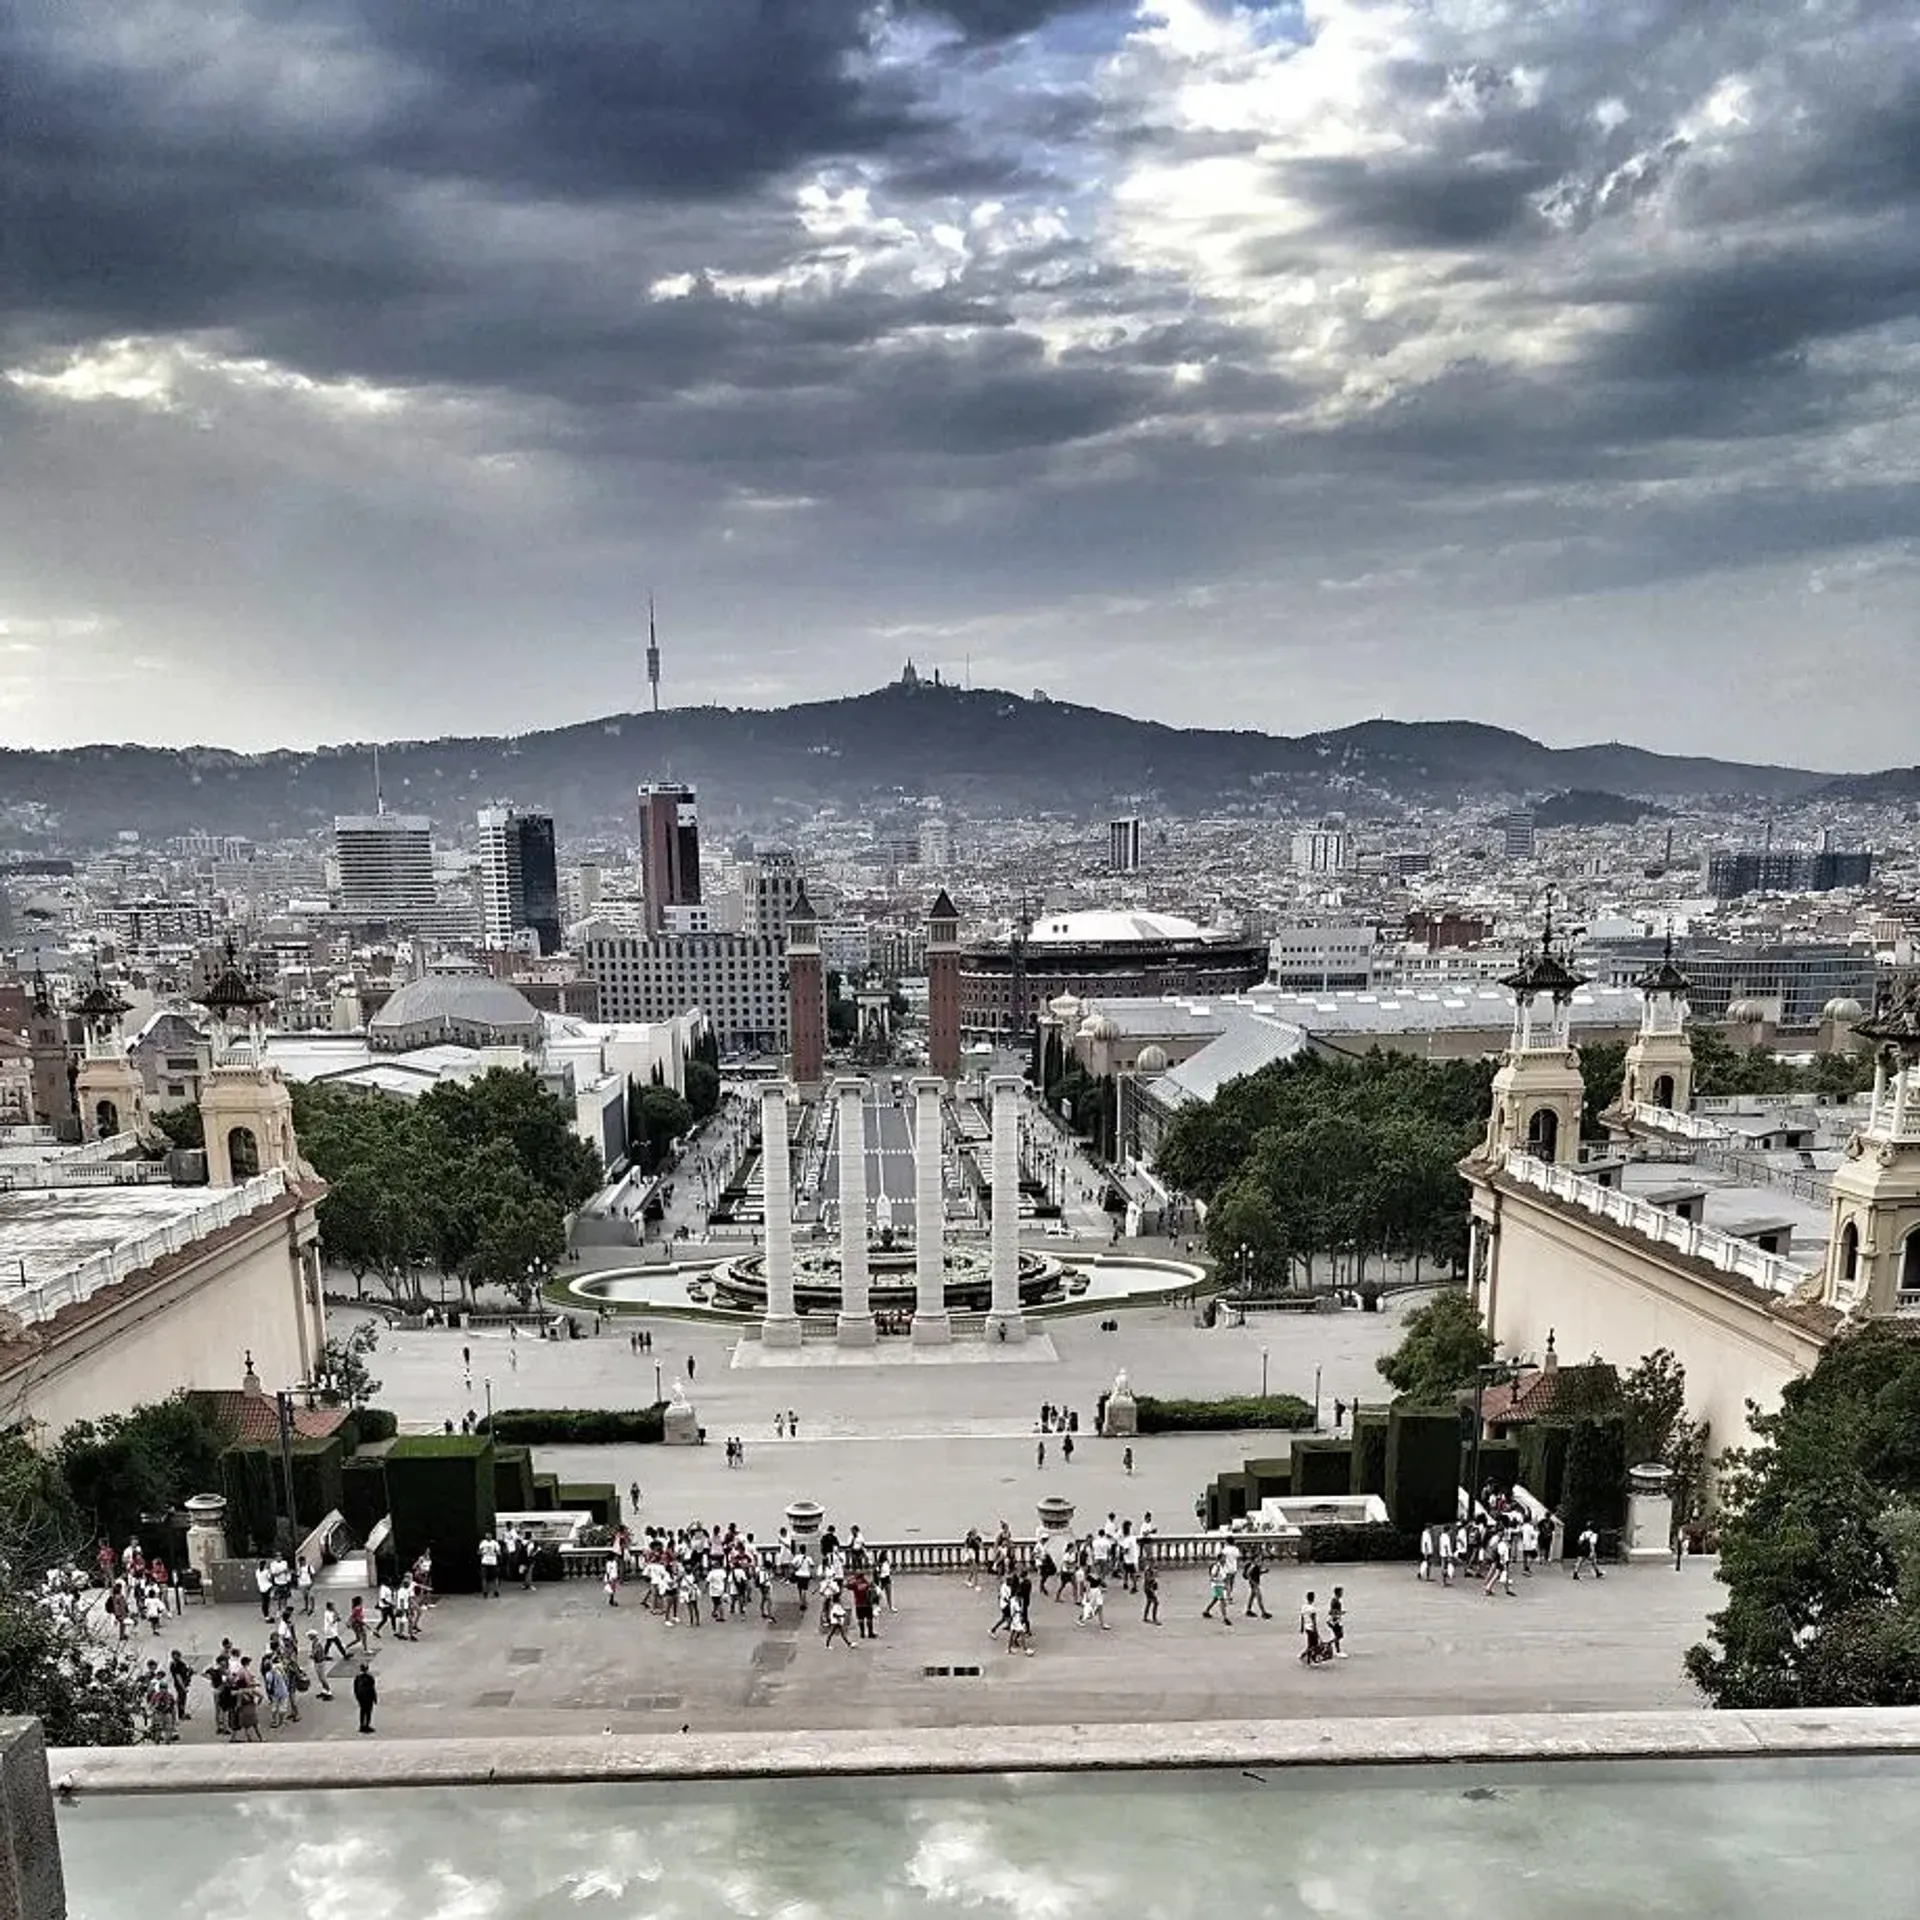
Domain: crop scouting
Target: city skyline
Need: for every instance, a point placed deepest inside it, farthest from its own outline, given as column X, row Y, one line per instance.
column 1367, row 358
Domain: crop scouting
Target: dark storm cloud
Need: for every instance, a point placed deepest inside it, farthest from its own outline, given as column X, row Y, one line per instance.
column 931, row 307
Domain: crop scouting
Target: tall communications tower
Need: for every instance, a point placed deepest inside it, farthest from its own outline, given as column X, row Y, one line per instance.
column 653, row 656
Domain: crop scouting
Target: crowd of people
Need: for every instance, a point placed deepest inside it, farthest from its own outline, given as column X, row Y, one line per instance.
column 1500, row 1536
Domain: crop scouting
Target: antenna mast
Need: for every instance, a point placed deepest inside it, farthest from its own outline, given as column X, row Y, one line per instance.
column 653, row 656
column 379, row 797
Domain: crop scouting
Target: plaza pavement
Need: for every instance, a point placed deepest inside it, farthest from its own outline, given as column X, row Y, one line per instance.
column 559, row 1660
column 919, row 1451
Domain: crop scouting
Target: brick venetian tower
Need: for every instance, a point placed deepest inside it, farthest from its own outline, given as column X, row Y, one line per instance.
column 806, row 994
column 943, row 987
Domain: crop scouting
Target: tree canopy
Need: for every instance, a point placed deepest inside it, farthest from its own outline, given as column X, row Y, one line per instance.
column 1313, row 1156
column 474, row 1179
column 1820, row 1547
column 1720, row 1069
column 1444, row 1345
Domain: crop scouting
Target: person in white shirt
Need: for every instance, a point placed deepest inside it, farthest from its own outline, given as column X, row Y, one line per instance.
column 1445, row 1542
column 1529, row 1547
column 1426, row 1554
column 1230, row 1561
column 489, row 1568
column 263, row 1581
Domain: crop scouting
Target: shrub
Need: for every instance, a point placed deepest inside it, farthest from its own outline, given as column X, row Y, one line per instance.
column 546, row 1492
column 247, row 1479
column 374, row 1424
column 1236, row 1490
column 317, row 1468
column 440, row 1497
column 363, row 1495
column 1500, row 1463
column 1359, row 1540
column 1285, row 1412
column 1543, row 1461
column 512, row 1480
column 1272, row 1479
column 1423, row 1466
column 1369, row 1454
column 1322, row 1467
column 596, row 1498
column 578, row 1426
column 1596, row 1486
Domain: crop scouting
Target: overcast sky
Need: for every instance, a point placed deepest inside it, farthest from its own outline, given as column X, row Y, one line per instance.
column 364, row 363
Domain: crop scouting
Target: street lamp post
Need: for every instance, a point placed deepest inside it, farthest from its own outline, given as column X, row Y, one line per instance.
column 1246, row 1261
column 1263, row 1374
column 1316, row 1399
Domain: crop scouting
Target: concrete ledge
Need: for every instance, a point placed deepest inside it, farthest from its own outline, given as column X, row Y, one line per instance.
column 1455, row 1740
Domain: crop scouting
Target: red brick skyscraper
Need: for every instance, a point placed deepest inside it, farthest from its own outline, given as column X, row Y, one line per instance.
column 943, row 987
column 806, row 993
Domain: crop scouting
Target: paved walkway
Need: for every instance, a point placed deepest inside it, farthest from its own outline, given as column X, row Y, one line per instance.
column 560, row 1660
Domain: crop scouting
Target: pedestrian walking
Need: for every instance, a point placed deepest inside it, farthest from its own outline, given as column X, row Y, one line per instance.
column 366, row 1696
column 1256, row 1601
column 1150, row 1588
column 1039, row 1453
column 1589, row 1554
column 1217, row 1593
column 1126, row 1462
column 1311, row 1650
column 1337, row 1622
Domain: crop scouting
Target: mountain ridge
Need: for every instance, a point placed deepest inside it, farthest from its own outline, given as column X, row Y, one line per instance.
column 979, row 749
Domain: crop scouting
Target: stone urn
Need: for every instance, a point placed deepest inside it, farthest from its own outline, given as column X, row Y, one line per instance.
column 1056, row 1526
column 1649, row 1512
column 805, row 1518
column 206, row 1533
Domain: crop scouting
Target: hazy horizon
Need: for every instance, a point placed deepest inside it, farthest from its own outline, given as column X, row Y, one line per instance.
column 1548, row 365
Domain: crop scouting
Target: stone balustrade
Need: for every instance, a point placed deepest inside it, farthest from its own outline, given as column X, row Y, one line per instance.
column 42, row 1298
column 1723, row 1250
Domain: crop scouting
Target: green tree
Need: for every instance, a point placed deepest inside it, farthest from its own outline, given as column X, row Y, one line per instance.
column 1443, row 1347
column 346, row 1380
column 1817, row 1541
column 83, row 1694
column 1653, row 1402
column 1603, row 1068
column 182, row 1125
column 703, row 1089
column 126, row 1465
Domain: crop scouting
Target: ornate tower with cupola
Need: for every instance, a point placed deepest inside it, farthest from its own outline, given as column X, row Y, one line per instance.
column 806, row 994
column 1873, row 1244
column 108, row 1090
column 245, row 1107
column 943, row 987
column 1659, row 1067
column 1538, row 1092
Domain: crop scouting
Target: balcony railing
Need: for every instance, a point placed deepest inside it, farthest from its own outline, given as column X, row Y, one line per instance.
column 1741, row 1258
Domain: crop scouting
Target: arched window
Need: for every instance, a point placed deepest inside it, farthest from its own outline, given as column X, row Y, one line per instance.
column 1910, row 1268
column 243, row 1153
column 1663, row 1091
column 1543, row 1134
column 1849, row 1254
column 106, row 1119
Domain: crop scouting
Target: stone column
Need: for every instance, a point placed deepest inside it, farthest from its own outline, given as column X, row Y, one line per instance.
column 931, row 1326
column 32, row 1885
column 1005, row 1321
column 780, row 1324
column 856, row 1312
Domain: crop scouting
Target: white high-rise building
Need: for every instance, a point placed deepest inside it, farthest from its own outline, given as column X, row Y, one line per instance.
column 502, row 891
column 1123, row 845
column 1322, row 850
column 386, row 865
column 936, row 843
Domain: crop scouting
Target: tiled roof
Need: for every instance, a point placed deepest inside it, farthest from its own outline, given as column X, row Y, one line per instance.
column 252, row 1419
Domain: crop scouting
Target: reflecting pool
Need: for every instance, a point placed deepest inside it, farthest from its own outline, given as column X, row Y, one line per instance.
column 1756, row 1840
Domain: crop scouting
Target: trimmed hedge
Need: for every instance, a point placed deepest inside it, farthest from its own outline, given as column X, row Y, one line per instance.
column 1284, row 1412
column 249, row 1478
column 440, row 1497
column 580, row 1426
column 1596, row 1488
column 1322, row 1468
column 1423, row 1466
column 600, row 1499
column 512, row 1480
column 374, row 1424
column 363, row 1495
column 1500, row 1463
column 546, row 1492
column 1543, row 1461
column 1272, row 1479
column 1363, row 1540
column 316, row 1479
column 1369, row 1455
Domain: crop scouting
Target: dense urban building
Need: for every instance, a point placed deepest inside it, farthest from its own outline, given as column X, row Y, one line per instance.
column 1123, row 845
column 519, row 878
column 1732, row 875
column 669, row 852
column 1791, row 983
column 735, row 979
column 386, row 866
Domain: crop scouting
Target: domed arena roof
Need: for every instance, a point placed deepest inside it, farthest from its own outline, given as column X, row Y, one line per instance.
column 470, row 1007
column 1112, row 928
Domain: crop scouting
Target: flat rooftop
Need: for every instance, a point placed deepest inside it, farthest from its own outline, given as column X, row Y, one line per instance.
column 1735, row 1206
column 48, row 1231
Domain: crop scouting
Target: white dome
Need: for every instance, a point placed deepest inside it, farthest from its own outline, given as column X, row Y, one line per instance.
column 1152, row 1059
column 1842, row 1008
column 1747, row 1013
column 1099, row 1026
column 475, row 1005
column 1066, row 1007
